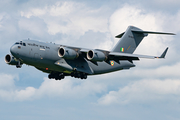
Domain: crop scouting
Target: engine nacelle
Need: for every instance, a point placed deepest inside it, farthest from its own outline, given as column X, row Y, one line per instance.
column 96, row 56
column 10, row 60
column 67, row 53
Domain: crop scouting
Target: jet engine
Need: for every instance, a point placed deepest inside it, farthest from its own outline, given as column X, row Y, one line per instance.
column 10, row 60
column 96, row 56
column 67, row 53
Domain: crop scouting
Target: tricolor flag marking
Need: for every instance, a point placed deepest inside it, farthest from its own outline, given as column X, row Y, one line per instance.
column 122, row 49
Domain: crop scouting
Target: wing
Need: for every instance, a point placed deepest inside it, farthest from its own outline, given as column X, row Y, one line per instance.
column 118, row 55
column 107, row 56
column 79, row 58
column 126, row 56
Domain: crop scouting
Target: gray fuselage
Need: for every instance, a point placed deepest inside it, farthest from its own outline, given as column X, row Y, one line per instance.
column 43, row 56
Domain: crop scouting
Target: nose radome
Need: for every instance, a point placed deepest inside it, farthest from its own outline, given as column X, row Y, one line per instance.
column 13, row 49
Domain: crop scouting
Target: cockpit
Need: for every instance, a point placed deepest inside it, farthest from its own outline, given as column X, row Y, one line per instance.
column 20, row 43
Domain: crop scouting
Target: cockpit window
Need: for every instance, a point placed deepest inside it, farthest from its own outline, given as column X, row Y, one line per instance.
column 21, row 43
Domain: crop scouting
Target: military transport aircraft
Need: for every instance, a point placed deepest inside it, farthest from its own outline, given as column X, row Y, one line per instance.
column 61, row 60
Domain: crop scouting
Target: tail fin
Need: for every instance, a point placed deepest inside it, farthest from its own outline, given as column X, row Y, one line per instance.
column 130, row 39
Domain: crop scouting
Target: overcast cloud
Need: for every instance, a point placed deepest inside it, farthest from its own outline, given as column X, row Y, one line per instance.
column 149, row 91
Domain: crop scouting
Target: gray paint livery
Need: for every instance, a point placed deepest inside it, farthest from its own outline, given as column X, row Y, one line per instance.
column 61, row 60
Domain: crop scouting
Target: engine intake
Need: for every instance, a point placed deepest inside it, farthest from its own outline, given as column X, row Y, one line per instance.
column 10, row 60
column 67, row 53
column 96, row 56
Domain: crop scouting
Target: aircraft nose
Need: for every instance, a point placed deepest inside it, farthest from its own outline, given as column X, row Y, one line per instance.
column 13, row 50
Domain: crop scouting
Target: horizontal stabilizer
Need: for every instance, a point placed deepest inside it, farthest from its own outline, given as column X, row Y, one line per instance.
column 149, row 32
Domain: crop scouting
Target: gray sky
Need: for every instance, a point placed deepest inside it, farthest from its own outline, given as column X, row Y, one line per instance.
column 149, row 91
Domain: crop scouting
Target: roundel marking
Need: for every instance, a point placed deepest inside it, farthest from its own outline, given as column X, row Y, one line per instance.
column 112, row 63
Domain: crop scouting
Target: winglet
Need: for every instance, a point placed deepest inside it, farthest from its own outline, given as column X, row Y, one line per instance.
column 163, row 54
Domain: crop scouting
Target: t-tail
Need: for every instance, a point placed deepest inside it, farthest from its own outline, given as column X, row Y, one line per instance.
column 130, row 39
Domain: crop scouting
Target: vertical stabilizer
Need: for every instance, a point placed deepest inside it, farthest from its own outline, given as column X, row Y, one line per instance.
column 129, row 40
